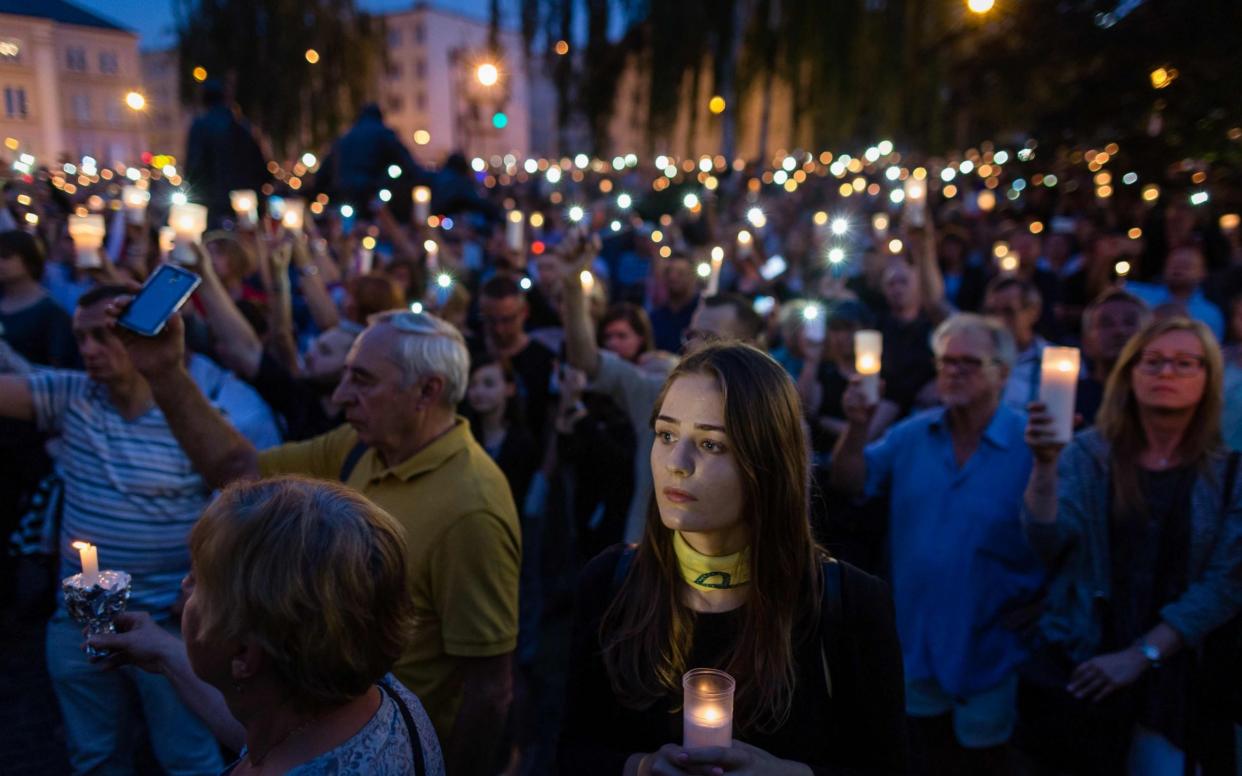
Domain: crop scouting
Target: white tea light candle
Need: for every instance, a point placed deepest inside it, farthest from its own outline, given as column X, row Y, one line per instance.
column 707, row 716
column 294, row 215
column 246, row 205
column 868, row 350
column 135, row 201
column 188, row 222
column 87, row 233
column 1058, row 387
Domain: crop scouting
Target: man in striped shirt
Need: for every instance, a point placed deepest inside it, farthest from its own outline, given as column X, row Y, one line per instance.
column 131, row 491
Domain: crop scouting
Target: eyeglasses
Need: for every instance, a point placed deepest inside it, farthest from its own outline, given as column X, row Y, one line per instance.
column 964, row 364
column 1184, row 364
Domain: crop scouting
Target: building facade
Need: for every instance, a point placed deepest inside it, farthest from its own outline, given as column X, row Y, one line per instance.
column 65, row 73
column 169, row 119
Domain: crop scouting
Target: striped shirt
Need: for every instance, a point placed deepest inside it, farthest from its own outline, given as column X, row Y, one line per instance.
column 129, row 489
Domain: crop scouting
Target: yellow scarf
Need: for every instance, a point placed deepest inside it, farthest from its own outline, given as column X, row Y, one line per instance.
column 704, row 572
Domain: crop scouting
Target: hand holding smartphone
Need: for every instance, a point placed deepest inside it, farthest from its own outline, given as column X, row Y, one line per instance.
column 163, row 294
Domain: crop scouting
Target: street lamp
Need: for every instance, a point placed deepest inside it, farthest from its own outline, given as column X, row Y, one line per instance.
column 487, row 74
column 980, row 6
column 135, row 101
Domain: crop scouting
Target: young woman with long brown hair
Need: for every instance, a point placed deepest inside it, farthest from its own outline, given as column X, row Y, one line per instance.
column 727, row 576
column 1140, row 523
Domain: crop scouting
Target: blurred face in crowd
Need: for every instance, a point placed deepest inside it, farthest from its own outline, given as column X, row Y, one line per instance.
column 967, row 372
column 1028, row 247
column 711, row 324
column 1109, row 328
column 210, row 660
column 1008, row 306
column 901, row 288
column 1170, row 373
column 620, row 338
column 326, row 357
column 103, row 354
column 679, row 278
column 372, row 393
column 12, row 270
column 1058, row 249
column 1184, row 269
column 698, row 484
column 549, row 271
column 503, row 319
column 488, row 390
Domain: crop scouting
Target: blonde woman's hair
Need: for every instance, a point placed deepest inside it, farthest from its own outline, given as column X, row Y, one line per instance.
column 1118, row 418
column 315, row 573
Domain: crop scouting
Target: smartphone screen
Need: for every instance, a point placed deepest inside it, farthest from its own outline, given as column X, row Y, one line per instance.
column 160, row 297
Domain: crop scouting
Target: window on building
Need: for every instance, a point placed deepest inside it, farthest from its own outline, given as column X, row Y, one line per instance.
column 15, row 102
column 112, row 113
column 394, row 71
column 75, row 58
column 107, row 62
column 394, row 104
column 394, row 38
column 420, row 69
column 421, row 101
column 82, row 107
column 419, row 33
column 10, row 51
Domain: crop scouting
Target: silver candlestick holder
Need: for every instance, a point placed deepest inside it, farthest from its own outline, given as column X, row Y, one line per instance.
column 95, row 603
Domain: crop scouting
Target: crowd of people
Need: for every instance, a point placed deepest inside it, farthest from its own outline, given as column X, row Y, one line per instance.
column 468, row 489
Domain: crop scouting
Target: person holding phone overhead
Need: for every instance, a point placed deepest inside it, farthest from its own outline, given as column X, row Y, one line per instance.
column 132, row 492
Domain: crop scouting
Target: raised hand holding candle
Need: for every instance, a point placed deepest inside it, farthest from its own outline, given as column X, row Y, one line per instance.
column 135, row 201
column 515, row 237
column 246, row 205
column 422, row 204
column 707, row 716
column 1058, row 387
column 188, row 222
column 90, row 562
column 87, row 233
column 868, row 348
column 294, row 215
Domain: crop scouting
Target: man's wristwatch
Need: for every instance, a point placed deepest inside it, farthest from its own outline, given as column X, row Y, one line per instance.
column 1149, row 651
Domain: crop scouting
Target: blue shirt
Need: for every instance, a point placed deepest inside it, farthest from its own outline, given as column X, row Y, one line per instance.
column 1197, row 306
column 960, row 560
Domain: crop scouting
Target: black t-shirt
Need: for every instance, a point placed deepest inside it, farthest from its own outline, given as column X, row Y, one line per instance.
column 859, row 727
column 832, row 385
column 533, row 365
column 907, row 363
column 43, row 334
column 297, row 401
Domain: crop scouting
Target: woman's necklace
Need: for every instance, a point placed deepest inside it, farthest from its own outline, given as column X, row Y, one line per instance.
column 256, row 761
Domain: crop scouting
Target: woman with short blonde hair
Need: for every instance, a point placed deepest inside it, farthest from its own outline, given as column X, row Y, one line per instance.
column 298, row 606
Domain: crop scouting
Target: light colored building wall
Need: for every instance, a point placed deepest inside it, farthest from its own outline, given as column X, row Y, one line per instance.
column 169, row 121
column 75, row 80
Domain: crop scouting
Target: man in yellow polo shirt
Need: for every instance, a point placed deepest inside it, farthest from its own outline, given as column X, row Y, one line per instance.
column 407, row 450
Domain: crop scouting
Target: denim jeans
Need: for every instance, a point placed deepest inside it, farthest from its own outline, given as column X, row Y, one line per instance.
column 103, row 711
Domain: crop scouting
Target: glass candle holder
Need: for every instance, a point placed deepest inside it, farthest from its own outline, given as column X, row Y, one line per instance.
column 707, row 715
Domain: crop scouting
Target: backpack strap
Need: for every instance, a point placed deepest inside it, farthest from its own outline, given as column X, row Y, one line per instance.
column 416, row 743
column 831, row 617
column 351, row 461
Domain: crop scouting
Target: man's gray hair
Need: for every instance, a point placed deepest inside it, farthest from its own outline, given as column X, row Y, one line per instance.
column 427, row 345
column 1003, row 347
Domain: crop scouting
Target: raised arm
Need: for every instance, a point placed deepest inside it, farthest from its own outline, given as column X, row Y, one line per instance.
column 219, row 453
column 15, row 399
column 280, row 311
column 310, row 281
column 237, row 344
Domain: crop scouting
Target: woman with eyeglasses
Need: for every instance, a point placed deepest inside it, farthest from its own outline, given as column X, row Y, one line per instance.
column 1140, row 523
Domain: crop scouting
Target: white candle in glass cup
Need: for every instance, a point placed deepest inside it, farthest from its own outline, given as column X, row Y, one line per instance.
column 1058, row 388
column 188, row 222
column 707, row 711
column 422, row 204
column 135, row 201
column 87, row 232
column 246, row 205
column 868, row 350
column 294, row 215
column 515, row 234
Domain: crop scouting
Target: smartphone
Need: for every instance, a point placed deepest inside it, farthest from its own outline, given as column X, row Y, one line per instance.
column 161, row 296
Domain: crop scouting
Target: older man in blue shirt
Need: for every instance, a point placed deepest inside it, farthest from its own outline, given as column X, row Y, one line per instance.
column 961, row 567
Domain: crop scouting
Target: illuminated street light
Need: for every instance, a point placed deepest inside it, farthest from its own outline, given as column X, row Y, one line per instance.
column 312, row 56
column 487, row 74
column 135, row 101
column 980, row 6
column 716, row 105
column 200, row 74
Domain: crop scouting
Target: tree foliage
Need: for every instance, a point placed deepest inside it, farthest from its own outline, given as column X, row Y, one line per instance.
column 258, row 48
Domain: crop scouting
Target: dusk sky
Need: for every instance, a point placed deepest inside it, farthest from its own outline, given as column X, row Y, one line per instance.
column 153, row 19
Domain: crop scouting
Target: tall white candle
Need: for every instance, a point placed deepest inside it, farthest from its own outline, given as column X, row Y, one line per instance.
column 89, row 556
column 1058, row 385
column 515, row 236
column 915, row 204
column 868, row 349
column 188, row 222
column 745, row 244
column 87, row 233
column 588, row 282
column 422, row 204
column 246, row 205
column 707, row 716
column 713, row 281
column 135, row 201
column 814, row 323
